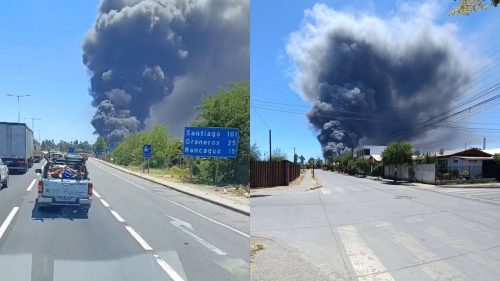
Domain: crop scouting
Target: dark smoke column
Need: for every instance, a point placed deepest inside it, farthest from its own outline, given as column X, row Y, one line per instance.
column 370, row 78
column 139, row 52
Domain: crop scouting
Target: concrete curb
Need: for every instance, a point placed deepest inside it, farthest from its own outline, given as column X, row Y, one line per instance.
column 242, row 209
column 316, row 184
column 315, row 187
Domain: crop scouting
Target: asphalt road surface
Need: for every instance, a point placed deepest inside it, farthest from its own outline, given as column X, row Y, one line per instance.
column 361, row 229
column 488, row 194
column 135, row 230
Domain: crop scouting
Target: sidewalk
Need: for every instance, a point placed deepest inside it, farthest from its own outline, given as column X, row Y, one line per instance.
column 303, row 186
column 426, row 185
column 204, row 192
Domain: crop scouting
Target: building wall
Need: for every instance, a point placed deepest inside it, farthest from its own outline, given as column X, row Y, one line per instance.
column 474, row 167
column 425, row 173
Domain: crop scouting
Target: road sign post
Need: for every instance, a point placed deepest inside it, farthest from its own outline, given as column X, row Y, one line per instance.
column 210, row 142
column 147, row 149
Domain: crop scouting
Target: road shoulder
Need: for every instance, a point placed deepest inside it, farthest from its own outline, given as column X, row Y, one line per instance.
column 235, row 205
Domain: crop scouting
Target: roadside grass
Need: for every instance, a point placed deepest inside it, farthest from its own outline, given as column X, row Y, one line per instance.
column 183, row 175
column 298, row 180
column 255, row 249
column 172, row 173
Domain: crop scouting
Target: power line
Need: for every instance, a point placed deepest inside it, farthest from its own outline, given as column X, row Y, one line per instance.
column 261, row 119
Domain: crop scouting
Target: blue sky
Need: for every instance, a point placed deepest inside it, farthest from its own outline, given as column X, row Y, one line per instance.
column 41, row 55
column 272, row 22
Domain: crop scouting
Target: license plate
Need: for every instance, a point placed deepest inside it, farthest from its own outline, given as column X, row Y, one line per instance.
column 65, row 198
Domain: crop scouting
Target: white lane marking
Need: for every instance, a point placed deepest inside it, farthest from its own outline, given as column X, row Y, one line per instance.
column 182, row 206
column 31, row 185
column 117, row 216
column 131, row 182
column 7, row 221
column 104, row 203
column 489, row 192
column 164, row 265
column 454, row 242
column 182, row 225
column 363, row 259
column 437, row 270
column 138, row 238
column 207, row 218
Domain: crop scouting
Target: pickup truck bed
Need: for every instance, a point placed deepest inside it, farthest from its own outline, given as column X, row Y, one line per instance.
column 64, row 192
column 64, row 182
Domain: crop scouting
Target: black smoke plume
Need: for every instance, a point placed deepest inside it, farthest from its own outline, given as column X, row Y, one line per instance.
column 151, row 61
column 371, row 78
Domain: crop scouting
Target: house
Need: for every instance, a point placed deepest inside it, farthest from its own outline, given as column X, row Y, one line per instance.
column 375, row 159
column 463, row 163
column 373, row 152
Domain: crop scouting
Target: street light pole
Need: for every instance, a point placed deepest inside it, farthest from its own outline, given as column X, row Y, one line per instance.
column 33, row 122
column 18, row 108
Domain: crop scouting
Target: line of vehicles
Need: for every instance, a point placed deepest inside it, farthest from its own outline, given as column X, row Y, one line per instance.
column 62, row 180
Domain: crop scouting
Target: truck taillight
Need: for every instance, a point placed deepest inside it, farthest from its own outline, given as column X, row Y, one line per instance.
column 40, row 187
column 89, row 189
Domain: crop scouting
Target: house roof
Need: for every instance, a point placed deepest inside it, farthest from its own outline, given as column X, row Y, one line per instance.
column 471, row 152
column 473, row 157
column 377, row 158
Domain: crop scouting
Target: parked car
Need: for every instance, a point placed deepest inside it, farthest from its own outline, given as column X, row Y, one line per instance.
column 4, row 174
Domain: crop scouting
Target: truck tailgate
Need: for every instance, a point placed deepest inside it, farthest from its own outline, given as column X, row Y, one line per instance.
column 65, row 190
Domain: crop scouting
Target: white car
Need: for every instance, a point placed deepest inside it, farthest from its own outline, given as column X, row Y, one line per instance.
column 4, row 174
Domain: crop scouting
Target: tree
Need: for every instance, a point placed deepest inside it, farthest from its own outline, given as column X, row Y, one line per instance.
column 302, row 159
column 466, row 7
column 496, row 158
column 278, row 155
column 319, row 163
column 230, row 108
column 362, row 165
column 99, row 145
column 310, row 162
column 397, row 153
column 255, row 153
column 295, row 158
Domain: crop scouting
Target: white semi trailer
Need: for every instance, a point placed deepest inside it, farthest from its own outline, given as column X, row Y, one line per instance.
column 16, row 146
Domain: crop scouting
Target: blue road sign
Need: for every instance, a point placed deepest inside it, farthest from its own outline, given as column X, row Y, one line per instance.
column 146, row 151
column 71, row 150
column 99, row 153
column 210, row 142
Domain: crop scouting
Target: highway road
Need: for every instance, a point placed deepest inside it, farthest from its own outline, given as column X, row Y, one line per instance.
column 135, row 230
column 361, row 229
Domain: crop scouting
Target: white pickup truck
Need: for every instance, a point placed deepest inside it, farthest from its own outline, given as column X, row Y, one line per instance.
column 65, row 183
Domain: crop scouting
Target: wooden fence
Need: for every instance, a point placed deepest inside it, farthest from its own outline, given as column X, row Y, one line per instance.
column 269, row 174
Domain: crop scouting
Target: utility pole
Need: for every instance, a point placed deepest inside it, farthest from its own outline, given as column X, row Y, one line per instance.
column 294, row 156
column 484, row 143
column 18, row 108
column 33, row 122
column 269, row 145
column 465, row 146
